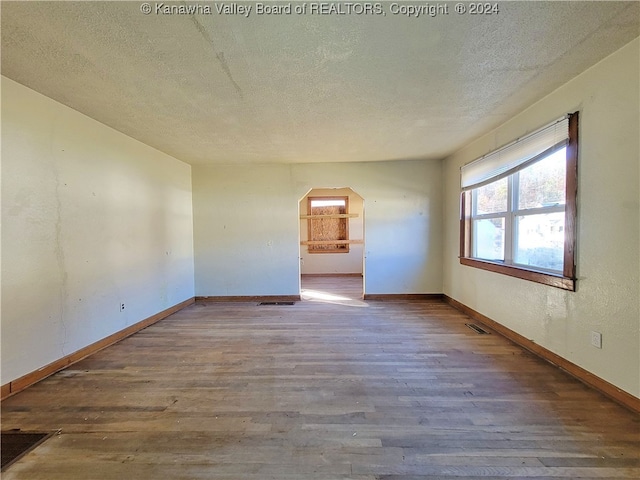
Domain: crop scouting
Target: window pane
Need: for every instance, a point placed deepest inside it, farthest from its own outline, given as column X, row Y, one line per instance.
column 488, row 236
column 334, row 202
column 540, row 240
column 543, row 183
column 492, row 198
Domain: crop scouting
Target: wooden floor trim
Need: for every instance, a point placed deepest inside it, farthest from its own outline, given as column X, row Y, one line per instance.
column 604, row 387
column 29, row 379
column 250, row 298
column 403, row 297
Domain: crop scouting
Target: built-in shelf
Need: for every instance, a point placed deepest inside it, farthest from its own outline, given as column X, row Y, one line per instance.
column 331, row 215
column 330, row 242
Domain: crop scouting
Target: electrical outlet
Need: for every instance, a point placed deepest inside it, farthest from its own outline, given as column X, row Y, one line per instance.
column 596, row 339
column 122, row 307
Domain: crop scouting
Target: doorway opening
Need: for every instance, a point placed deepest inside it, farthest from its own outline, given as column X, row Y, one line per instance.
column 332, row 260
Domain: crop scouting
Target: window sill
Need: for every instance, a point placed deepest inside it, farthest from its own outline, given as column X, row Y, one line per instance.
column 549, row 279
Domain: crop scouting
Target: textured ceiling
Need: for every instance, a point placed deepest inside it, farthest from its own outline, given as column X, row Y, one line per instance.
column 213, row 88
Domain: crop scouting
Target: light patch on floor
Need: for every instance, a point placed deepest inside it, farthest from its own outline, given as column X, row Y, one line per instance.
column 325, row 297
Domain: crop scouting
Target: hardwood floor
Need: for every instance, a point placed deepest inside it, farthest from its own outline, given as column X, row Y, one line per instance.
column 323, row 389
column 336, row 289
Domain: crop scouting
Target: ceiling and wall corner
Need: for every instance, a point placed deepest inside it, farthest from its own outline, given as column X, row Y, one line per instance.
column 606, row 299
column 230, row 89
column 97, row 231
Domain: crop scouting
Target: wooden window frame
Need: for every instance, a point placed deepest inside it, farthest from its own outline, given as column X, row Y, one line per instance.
column 565, row 280
column 342, row 245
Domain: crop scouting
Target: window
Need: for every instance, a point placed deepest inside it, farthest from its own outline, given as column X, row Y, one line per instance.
column 328, row 224
column 519, row 207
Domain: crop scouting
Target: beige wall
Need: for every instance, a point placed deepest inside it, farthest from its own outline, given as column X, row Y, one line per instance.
column 608, row 261
column 90, row 219
column 245, row 231
column 340, row 263
column 246, row 225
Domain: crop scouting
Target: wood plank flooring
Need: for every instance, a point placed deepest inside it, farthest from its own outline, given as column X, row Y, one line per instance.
column 336, row 289
column 325, row 389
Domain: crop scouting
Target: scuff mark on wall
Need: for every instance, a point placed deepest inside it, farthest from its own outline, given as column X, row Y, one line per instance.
column 60, row 258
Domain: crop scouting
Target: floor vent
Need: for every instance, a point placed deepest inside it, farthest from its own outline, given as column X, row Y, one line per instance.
column 477, row 329
column 16, row 444
column 277, row 303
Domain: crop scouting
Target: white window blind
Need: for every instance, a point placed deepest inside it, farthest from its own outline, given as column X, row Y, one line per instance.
column 516, row 155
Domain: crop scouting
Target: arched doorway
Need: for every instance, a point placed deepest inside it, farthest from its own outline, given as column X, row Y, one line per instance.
column 332, row 249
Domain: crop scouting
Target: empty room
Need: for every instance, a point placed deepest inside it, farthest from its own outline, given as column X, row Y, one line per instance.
column 320, row 240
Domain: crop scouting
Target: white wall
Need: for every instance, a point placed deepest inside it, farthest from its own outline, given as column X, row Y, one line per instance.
column 245, row 231
column 608, row 260
column 90, row 218
column 335, row 263
column 246, row 225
